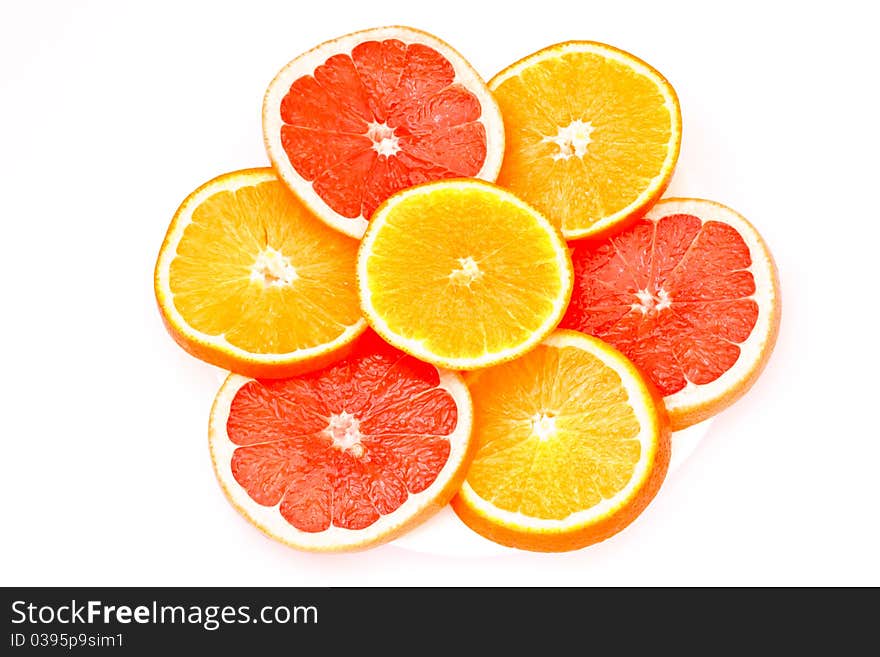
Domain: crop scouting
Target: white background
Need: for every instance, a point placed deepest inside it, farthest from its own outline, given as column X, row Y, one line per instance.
column 110, row 113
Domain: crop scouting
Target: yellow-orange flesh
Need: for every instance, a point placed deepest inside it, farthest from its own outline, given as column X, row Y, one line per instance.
column 592, row 134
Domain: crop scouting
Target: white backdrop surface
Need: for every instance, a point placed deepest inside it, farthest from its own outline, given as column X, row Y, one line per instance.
column 110, row 113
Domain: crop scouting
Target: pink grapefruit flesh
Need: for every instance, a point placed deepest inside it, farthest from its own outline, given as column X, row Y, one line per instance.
column 689, row 294
column 349, row 447
column 370, row 114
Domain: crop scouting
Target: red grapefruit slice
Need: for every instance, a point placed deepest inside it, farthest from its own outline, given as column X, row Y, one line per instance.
column 690, row 294
column 366, row 115
column 346, row 457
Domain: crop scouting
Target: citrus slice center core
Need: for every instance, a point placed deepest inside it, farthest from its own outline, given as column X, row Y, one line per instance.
column 466, row 273
column 544, row 426
column 650, row 303
column 572, row 139
column 385, row 142
column 273, row 269
column 344, row 430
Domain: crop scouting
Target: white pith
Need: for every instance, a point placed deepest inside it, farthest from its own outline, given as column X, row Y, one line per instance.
column 417, row 347
column 169, row 251
column 572, row 139
column 544, row 426
column 385, row 142
column 273, row 269
column 306, row 63
column 765, row 296
column 466, row 273
column 343, row 430
column 648, row 302
column 271, row 522
column 643, row 407
column 641, row 68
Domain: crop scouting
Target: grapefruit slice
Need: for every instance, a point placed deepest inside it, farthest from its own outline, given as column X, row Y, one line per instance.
column 249, row 280
column 361, row 117
column 462, row 274
column 593, row 135
column 571, row 446
column 346, row 457
column 690, row 294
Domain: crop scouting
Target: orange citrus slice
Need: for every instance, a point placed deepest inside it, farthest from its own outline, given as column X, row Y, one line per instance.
column 690, row 294
column 571, row 446
column 361, row 117
column 346, row 457
column 462, row 274
column 249, row 280
column 592, row 134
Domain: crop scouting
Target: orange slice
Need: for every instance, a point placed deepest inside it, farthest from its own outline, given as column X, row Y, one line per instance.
column 592, row 133
column 462, row 274
column 249, row 280
column 689, row 293
column 361, row 117
column 572, row 445
column 346, row 457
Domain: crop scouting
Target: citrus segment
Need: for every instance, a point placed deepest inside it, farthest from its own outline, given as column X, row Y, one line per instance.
column 345, row 457
column 249, row 280
column 361, row 117
column 570, row 446
column 689, row 293
column 462, row 274
column 592, row 135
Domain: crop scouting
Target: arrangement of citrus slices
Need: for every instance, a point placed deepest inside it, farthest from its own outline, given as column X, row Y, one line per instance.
column 406, row 326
